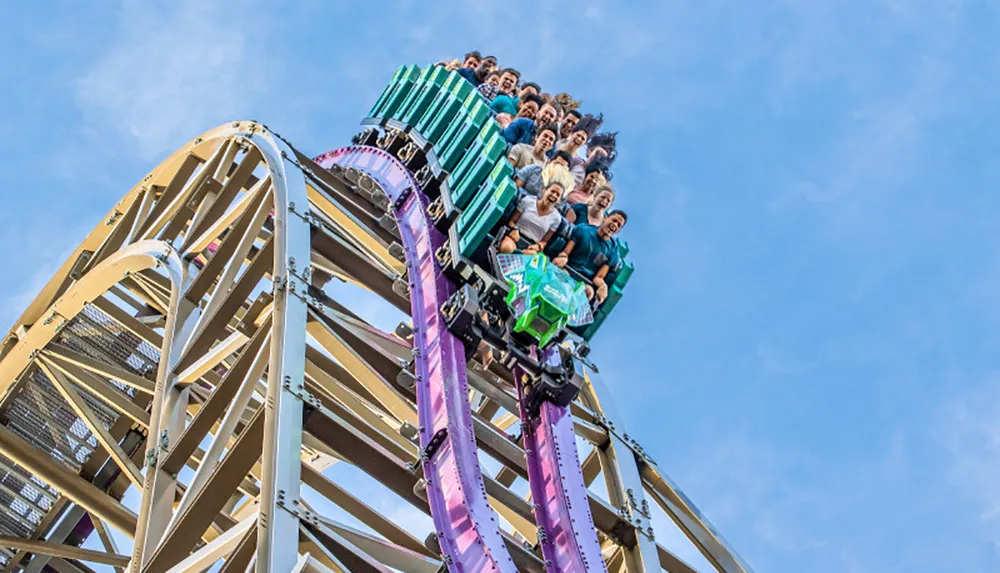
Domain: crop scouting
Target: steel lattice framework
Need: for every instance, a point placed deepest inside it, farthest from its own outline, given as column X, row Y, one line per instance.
column 187, row 350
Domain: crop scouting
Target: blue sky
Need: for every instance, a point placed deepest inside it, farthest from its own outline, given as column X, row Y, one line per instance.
column 809, row 344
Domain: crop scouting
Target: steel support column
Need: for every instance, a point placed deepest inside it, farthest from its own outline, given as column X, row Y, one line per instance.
column 286, row 374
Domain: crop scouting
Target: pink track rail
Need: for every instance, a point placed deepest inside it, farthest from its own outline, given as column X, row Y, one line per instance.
column 467, row 528
column 562, row 508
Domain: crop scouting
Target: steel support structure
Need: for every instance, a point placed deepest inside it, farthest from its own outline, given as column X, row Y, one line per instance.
column 187, row 350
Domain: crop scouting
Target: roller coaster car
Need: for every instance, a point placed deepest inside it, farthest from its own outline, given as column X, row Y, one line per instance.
column 543, row 298
column 524, row 299
column 553, row 379
column 442, row 129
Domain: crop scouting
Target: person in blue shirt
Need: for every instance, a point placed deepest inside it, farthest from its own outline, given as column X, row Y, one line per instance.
column 533, row 177
column 522, row 130
column 469, row 74
column 478, row 75
column 592, row 253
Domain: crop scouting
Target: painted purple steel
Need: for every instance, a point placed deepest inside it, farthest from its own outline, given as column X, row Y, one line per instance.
column 467, row 528
column 562, row 508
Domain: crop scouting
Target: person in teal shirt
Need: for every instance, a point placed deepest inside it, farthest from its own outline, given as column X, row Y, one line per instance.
column 592, row 213
column 509, row 103
column 505, row 104
column 592, row 253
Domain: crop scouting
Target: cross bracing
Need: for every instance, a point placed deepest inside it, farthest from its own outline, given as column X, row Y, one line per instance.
column 186, row 355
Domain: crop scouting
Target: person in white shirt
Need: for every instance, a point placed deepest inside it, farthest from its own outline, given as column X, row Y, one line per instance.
column 533, row 222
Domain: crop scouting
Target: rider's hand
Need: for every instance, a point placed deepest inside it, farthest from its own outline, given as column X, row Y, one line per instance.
column 602, row 292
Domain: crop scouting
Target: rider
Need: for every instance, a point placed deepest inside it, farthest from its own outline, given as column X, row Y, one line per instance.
column 592, row 213
column 596, row 173
column 523, row 154
column 533, row 222
column 477, row 75
column 522, row 130
column 592, row 253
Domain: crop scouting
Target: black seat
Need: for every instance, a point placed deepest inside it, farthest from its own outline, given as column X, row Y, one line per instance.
column 559, row 239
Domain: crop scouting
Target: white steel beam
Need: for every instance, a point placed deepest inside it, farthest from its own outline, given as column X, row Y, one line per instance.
column 221, row 546
column 99, row 389
column 101, row 368
column 213, row 358
column 281, row 458
column 389, row 554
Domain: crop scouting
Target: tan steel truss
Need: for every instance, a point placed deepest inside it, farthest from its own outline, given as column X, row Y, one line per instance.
column 182, row 352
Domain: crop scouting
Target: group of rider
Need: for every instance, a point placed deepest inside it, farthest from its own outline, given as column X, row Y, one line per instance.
column 563, row 166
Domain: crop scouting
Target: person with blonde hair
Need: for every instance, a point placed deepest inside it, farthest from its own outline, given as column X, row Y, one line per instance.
column 534, row 177
column 450, row 65
column 557, row 171
column 566, row 101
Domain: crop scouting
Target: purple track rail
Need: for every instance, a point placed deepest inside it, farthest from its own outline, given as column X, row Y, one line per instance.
column 467, row 529
column 559, row 494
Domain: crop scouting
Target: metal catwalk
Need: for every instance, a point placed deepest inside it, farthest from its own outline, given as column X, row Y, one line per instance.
column 186, row 351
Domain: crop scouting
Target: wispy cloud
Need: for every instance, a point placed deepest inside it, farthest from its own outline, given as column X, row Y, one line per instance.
column 885, row 108
column 970, row 430
column 173, row 70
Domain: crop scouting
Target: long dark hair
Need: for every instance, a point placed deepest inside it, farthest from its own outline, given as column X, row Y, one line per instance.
column 607, row 142
column 589, row 124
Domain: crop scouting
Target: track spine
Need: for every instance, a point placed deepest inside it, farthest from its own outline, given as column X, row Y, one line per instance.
column 467, row 529
column 559, row 494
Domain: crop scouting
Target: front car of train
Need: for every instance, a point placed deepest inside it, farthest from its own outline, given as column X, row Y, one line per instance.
column 543, row 298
